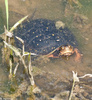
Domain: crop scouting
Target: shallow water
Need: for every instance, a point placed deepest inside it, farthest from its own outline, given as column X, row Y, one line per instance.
column 55, row 76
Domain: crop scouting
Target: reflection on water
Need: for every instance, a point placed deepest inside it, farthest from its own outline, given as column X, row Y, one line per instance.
column 56, row 75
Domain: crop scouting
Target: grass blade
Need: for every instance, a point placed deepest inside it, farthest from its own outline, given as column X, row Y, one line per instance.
column 19, row 22
column 7, row 13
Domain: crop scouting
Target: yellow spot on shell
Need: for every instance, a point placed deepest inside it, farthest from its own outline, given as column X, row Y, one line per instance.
column 33, row 32
column 37, row 36
column 37, row 44
column 52, row 34
column 46, row 27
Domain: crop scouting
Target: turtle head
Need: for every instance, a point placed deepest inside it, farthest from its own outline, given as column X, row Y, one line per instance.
column 66, row 50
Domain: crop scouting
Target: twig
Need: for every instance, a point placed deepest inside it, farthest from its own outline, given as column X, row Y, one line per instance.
column 90, row 75
column 30, row 71
column 15, row 70
column 75, row 79
column 17, row 53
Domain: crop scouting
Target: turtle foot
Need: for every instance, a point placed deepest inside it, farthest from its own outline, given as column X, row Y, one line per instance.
column 52, row 56
column 78, row 55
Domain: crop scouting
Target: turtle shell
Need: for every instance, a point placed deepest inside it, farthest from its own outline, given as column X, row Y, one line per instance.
column 41, row 36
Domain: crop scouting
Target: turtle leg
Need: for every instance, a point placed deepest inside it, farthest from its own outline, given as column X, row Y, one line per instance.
column 52, row 56
column 78, row 55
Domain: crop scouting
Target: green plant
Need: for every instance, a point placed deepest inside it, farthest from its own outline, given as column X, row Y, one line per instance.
column 7, row 13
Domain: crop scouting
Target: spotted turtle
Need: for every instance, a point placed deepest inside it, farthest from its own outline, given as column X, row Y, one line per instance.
column 41, row 37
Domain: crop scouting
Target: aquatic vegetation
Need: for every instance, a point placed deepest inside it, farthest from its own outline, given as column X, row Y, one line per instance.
column 9, row 50
column 17, row 23
column 28, row 68
column 7, row 36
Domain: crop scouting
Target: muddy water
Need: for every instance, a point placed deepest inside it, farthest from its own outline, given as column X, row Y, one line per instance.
column 55, row 76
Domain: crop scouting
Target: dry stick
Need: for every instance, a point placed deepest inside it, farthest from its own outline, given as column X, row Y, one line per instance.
column 15, row 70
column 30, row 71
column 90, row 75
column 17, row 53
column 8, row 36
column 21, row 57
column 23, row 50
column 10, row 62
column 5, row 36
column 75, row 79
column 29, row 61
column 71, row 93
column 51, row 52
column 10, row 59
column 24, row 63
